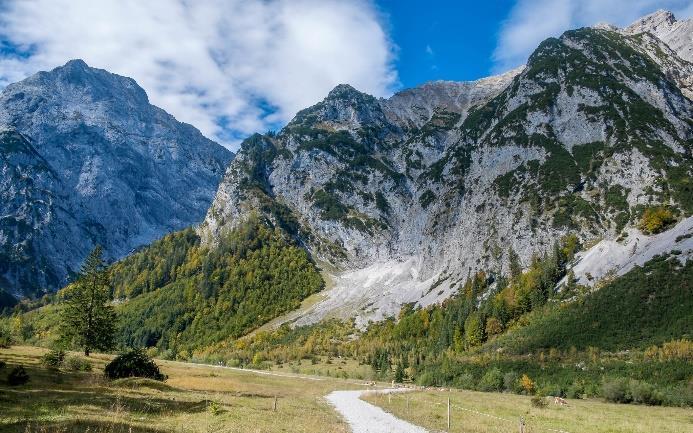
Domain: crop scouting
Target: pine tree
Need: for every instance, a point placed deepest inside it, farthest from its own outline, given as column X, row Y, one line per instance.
column 514, row 264
column 87, row 319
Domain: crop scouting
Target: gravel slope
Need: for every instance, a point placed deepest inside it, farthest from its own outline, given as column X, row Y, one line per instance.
column 363, row 417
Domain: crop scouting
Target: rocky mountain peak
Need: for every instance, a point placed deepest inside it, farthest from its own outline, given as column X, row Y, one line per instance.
column 343, row 108
column 676, row 34
column 656, row 22
column 92, row 162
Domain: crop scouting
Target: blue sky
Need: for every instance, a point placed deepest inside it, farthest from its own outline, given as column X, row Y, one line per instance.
column 446, row 40
column 234, row 67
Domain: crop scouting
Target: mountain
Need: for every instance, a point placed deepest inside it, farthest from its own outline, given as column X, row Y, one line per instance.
column 85, row 159
column 401, row 200
column 677, row 35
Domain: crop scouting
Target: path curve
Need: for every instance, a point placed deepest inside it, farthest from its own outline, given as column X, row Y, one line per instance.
column 363, row 417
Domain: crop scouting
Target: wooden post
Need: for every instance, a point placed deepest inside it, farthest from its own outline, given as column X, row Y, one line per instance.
column 274, row 405
column 389, row 398
column 407, row 402
column 522, row 425
column 448, row 413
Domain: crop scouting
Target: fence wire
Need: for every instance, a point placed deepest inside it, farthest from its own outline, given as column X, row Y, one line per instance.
column 457, row 406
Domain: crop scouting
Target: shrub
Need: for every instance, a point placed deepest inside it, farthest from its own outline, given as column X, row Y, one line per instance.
column 492, row 380
column 615, row 390
column 527, row 384
column 18, row 376
column 465, row 381
column 2, row 364
column 5, row 337
column 539, row 401
column 214, row 408
column 655, row 220
column 511, row 382
column 644, row 393
column 134, row 363
column 76, row 363
column 53, row 359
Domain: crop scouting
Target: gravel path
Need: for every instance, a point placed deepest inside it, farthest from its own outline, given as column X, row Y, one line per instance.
column 365, row 418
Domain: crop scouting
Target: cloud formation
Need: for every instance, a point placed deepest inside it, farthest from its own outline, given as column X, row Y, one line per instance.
column 229, row 67
column 532, row 21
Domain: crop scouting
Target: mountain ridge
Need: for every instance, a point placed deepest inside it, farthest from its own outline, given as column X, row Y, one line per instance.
column 405, row 207
column 123, row 173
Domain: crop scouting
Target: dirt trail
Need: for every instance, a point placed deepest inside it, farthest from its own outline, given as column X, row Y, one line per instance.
column 363, row 417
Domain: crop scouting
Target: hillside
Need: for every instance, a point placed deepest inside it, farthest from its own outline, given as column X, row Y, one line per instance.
column 86, row 160
column 402, row 199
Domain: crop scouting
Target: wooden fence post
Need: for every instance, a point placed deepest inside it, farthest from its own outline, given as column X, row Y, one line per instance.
column 448, row 413
column 274, row 405
column 522, row 425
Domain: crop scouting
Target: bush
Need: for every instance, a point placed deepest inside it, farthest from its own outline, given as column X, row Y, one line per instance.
column 511, row 382
column 53, row 359
column 527, row 384
column 214, row 408
column 134, row 363
column 539, row 401
column 18, row 376
column 2, row 364
column 5, row 337
column 615, row 390
column 492, row 380
column 644, row 393
column 465, row 381
column 655, row 220
column 76, row 363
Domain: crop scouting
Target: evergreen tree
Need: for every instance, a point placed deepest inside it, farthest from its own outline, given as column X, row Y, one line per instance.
column 87, row 319
column 514, row 264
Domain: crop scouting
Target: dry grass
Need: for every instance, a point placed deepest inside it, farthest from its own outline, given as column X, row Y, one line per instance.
column 57, row 402
column 429, row 409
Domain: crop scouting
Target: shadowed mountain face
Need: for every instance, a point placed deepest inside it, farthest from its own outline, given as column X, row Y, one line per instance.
column 86, row 160
column 406, row 197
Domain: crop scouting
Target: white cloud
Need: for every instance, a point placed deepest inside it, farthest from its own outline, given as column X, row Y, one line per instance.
column 532, row 21
column 217, row 64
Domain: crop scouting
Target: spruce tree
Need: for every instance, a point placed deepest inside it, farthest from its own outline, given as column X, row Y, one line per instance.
column 88, row 319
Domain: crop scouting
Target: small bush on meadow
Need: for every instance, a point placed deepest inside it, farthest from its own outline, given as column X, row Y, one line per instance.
column 18, row 376
column 527, row 384
column 644, row 393
column 492, row 380
column 134, row 363
column 6, row 339
column 53, row 360
column 76, row 363
column 214, row 408
column 465, row 381
column 511, row 382
column 615, row 390
column 540, row 401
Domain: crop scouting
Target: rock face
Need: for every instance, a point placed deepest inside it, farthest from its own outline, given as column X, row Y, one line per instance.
column 402, row 199
column 85, row 160
column 678, row 35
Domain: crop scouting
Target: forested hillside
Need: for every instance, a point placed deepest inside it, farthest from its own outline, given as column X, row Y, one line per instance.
column 575, row 342
column 178, row 296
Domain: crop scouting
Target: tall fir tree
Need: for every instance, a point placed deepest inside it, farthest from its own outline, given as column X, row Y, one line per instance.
column 88, row 319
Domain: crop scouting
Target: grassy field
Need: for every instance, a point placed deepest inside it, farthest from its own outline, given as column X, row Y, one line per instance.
column 62, row 402
column 202, row 398
column 429, row 409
